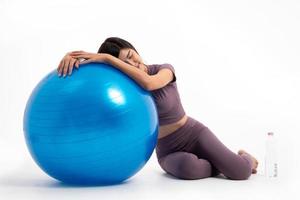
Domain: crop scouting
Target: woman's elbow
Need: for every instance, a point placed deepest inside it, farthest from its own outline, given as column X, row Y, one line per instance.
column 148, row 86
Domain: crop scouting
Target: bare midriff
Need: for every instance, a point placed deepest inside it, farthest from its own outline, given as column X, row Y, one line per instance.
column 168, row 129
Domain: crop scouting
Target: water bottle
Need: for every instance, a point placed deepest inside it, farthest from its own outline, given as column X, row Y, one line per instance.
column 271, row 164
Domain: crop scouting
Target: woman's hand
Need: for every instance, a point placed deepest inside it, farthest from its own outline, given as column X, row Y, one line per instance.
column 89, row 57
column 67, row 64
column 76, row 58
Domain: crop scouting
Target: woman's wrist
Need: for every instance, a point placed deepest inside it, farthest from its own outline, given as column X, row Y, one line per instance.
column 107, row 58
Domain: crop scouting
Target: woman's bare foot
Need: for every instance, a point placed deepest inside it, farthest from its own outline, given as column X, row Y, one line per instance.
column 255, row 162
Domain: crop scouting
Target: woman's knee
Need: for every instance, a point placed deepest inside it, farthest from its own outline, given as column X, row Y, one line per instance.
column 176, row 162
column 186, row 166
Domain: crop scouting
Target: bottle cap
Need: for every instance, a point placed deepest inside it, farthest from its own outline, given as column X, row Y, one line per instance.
column 270, row 133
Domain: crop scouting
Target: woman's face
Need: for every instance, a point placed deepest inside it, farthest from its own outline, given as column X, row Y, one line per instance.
column 131, row 57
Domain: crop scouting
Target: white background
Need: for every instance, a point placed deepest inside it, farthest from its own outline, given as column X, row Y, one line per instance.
column 237, row 66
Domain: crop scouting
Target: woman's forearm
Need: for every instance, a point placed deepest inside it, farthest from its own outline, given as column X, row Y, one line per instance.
column 141, row 77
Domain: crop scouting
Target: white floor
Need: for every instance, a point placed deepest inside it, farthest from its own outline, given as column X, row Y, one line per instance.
column 20, row 178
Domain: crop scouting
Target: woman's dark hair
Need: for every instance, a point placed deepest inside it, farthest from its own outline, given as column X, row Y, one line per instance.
column 113, row 46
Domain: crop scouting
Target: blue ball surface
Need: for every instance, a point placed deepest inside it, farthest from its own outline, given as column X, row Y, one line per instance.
column 97, row 126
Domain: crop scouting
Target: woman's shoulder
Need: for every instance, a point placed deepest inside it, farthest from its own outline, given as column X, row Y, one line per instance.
column 160, row 65
column 154, row 68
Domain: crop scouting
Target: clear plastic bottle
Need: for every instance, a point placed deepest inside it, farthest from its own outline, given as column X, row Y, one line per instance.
column 271, row 159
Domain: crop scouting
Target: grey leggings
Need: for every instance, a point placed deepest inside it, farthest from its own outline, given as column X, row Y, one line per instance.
column 194, row 152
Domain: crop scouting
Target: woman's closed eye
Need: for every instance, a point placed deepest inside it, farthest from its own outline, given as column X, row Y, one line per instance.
column 129, row 55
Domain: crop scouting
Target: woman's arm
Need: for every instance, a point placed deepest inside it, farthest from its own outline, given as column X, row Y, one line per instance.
column 148, row 82
column 141, row 77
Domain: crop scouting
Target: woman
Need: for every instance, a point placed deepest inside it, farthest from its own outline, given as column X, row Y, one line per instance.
column 186, row 148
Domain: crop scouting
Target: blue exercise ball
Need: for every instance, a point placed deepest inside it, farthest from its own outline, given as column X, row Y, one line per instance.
column 97, row 126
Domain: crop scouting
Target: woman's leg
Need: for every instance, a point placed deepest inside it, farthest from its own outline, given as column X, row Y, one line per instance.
column 209, row 147
column 174, row 157
column 186, row 165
